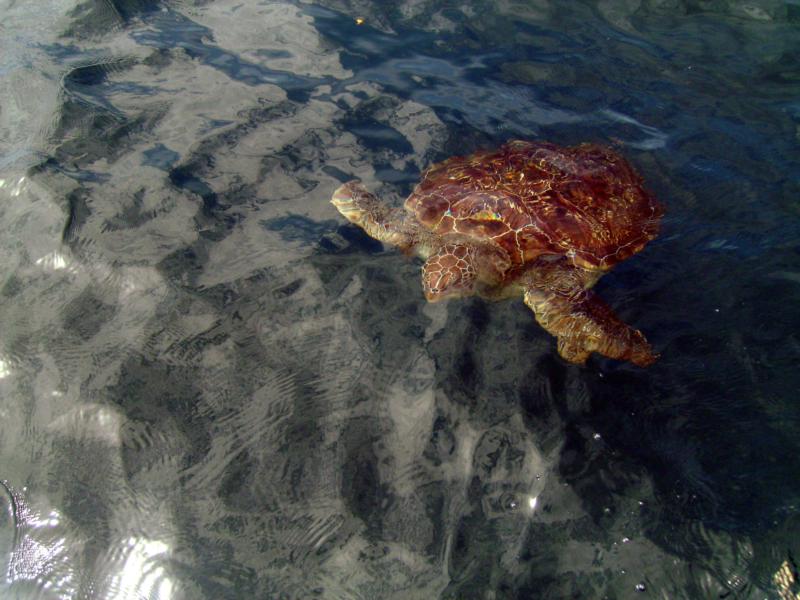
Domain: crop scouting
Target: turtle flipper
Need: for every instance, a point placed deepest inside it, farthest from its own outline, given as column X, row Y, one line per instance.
column 449, row 272
column 380, row 221
column 583, row 323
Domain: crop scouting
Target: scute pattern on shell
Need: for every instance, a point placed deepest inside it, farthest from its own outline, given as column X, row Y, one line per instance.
column 585, row 202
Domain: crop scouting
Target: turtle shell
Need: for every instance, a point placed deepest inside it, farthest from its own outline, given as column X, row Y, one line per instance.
column 585, row 202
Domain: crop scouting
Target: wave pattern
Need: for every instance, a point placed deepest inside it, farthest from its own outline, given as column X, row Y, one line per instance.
column 211, row 387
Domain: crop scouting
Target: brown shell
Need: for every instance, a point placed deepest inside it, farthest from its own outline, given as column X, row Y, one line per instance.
column 585, row 202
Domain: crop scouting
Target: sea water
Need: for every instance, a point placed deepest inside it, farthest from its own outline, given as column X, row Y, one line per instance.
column 211, row 386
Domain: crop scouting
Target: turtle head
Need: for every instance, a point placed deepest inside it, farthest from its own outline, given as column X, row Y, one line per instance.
column 355, row 203
column 361, row 208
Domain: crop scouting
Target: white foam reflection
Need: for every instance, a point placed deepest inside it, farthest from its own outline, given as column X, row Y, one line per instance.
column 140, row 575
column 42, row 554
column 54, row 260
column 90, row 421
column 14, row 188
column 51, row 520
column 17, row 189
column 655, row 137
column 47, row 548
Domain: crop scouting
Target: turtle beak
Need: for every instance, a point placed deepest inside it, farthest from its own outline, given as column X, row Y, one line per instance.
column 342, row 199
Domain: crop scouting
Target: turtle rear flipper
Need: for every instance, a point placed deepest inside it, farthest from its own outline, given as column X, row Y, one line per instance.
column 583, row 324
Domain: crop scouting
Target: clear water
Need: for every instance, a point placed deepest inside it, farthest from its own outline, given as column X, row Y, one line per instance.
column 211, row 387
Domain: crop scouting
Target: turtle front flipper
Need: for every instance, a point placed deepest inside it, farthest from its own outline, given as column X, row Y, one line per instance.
column 581, row 321
column 380, row 221
column 449, row 272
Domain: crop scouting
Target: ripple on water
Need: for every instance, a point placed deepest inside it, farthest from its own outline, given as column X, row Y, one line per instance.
column 8, row 525
column 213, row 388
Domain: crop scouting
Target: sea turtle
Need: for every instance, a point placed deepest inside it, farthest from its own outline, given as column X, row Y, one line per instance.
column 528, row 218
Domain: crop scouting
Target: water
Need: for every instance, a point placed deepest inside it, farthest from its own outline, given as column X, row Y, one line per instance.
column 212, row 387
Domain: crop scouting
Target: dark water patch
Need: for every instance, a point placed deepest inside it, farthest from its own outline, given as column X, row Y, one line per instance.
column 469, row 558
column 86, row 315
column 358, row 241
column 189, row 175
column 363, row 43
column 111, row 131
column 376, row 135
column 273, row 53
column 361, row 487
column 296, row 227
column 699, row 444
column 94, row 18
column 185, row 265
column 133, row 215
column 93, row 74
column 234, row 488
column 404, row 179
column 96, row 83
column 78, row 212
column 160, row 157
column 337, row 173
column 170, row 29
column 407, row 65
column 288, row 290
column 184, row 178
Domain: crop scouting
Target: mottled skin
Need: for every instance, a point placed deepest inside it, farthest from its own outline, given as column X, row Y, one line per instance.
column 530, row 219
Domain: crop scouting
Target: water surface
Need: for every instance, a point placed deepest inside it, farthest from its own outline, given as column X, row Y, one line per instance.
column 213, row 387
